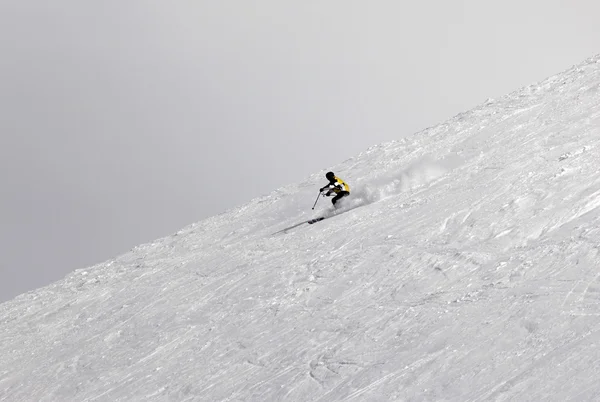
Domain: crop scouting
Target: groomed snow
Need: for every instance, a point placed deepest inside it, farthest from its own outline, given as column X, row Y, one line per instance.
column 464, row 267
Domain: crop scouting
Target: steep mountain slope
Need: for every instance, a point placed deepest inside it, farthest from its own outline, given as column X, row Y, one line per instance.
column 464, row 267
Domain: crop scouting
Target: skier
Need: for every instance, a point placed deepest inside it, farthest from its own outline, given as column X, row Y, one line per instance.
column 337, row 186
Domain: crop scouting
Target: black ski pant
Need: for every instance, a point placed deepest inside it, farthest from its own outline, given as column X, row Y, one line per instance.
column 339, row 196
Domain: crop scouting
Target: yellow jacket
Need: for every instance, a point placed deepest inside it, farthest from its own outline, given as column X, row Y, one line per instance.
column 338, row 185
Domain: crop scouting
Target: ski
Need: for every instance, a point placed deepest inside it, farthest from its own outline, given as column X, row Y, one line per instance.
column 310, row 222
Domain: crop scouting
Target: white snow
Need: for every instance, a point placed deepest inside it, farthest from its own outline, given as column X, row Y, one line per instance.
column 465, row 267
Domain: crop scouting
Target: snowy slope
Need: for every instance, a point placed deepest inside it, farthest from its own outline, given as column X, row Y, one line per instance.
column 465, row 268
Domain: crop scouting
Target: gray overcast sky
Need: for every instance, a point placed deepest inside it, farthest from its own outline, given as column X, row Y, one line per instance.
column 123, row 121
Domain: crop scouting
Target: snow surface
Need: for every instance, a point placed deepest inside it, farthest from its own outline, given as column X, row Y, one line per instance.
column 464, row 267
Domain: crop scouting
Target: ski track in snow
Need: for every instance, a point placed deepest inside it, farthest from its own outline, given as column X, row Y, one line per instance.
column 463, row 267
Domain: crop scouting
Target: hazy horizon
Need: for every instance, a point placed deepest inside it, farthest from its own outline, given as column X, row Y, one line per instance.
column 123, row 122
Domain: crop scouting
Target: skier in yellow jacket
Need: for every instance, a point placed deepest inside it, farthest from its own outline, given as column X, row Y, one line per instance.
column 337, row 186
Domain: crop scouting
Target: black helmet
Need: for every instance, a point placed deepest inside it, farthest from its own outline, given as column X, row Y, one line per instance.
column 330, row 175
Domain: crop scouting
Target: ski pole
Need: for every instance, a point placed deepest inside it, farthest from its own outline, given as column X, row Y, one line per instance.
column 316, row 200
